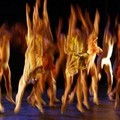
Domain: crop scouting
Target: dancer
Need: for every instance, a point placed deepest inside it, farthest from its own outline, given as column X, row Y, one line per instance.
column 75, row 54
column 116, row 65
column 103, row 61
column 4, row 64
column 33, row 69
column 48, row 58
column 93, row 49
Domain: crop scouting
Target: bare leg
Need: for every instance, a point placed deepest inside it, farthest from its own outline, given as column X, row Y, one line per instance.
column 108, row 71
column 31, row 98
column 51, row 90
column 91, row 90
column 1, row 107
column 21, row 89
column 117, row 93
column 38, row 95
column 99, row 60
column 79, row 93
column 111, row 95
column 85, row 89
column 7, row 77
column 94, row 84
column 69, row 81
column 54, row 87
column 72, row 95
column 95, row 90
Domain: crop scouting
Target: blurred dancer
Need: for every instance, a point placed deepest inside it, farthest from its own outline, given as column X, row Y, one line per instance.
column 116, row 65
column 4, row 64
column 103, row 61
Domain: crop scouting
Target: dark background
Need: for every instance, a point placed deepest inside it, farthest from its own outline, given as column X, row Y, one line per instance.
column 13, row 11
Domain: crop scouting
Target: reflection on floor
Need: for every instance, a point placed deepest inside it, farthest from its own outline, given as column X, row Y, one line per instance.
column 104, row 111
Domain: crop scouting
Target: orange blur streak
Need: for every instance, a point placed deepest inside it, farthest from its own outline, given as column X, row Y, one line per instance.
column 29, row 26
column 96, row 22
column 88, row 21
column 36, row 18
column 46, row 22
column 81, row 18
column 72, row 22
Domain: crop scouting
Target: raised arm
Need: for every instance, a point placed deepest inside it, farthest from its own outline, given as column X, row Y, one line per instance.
column 89, row 23
column 106, row 34
column 96, row 22
column 81, row 18
column 36, row 19
column 46, row 22
column 69, row 43
column 45, row 13
column 29, row 27
column 58, row 30
column 72, row 22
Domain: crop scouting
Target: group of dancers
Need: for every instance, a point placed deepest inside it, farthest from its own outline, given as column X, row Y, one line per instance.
column 78, row 50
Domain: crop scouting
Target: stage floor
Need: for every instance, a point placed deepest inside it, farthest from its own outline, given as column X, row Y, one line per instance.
column 105, row 111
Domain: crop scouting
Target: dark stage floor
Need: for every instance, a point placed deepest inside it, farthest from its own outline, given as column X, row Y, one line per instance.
column 104, row 111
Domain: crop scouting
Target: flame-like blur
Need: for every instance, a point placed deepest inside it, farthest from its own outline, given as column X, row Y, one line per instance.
column 77, row 50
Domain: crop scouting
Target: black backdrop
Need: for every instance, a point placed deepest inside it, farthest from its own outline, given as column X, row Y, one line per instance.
column 12, row 11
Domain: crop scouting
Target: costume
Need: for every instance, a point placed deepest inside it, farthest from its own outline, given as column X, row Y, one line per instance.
column 76, row 59
column 33, row 58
